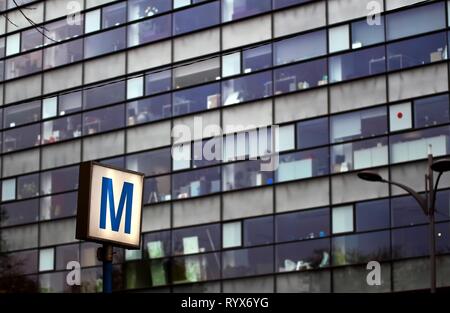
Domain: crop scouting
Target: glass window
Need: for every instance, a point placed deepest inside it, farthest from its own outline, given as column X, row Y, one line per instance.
column 46, row 259
column 237, row 9
column 300, row 76
column 2, row 47
column 71, row 102
column 364, row 34
column 359, row 154
column 304, row 164
column 102, row 120
column 116, row 162
column 338, row 38
column 302, row 225
column 258, row 58
column 58, row 206
column 400, row 116
column 417, row 51
column 22, row 114
column 247, row 88
column 62, row 54
column 143, row 8
column 31, row 39
column 301, row 256
column 196, row 99
column 157, row 245
column 258, row 231
column 65, row 254
column 105, row 42
column 342, row 219
column 312, row 133
column 89, row 254
column 92, row 21
column 59, row 180
column 21, row 137
column 131, row 255
column 49, row 107
column 232, row 234
column 361, row 248
column 157, row 189
column 23, row 263
column 285, row 138
column 426, row 18
column 196, row 18
column 372, row 215
column 207, row 152
column 299, row 48
column 407, row 212
column 23, row 65
column 61, row 30
column 414, row 145
column 157, row 82
column 431, row 111
column 100, row 95
column 180, row 3
column 196, row 183
column 284, row 3
column 114, row 15
column 247, row 262
column 154, row 162
column 22, row 212
column 135, row 87
column 9, row 189
column 359, row 124
column 28, row 186
column 195, row 268
column 149, row 109
column 61, row 129
column 196, row 73
column 245, row 174
column 196, row 239
column 150, row 30
column 181, row 156
column 13, row 44
column 357, row 64
column 231, row 64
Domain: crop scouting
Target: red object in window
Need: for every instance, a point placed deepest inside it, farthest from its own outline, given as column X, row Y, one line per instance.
column 399, row 114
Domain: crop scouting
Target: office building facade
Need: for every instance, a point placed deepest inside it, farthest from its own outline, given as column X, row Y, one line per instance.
column 348, row 84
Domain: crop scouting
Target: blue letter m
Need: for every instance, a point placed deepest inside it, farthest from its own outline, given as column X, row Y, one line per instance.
column 108, row 196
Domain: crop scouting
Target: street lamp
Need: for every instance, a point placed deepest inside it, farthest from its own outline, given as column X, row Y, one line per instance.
column 427, row 203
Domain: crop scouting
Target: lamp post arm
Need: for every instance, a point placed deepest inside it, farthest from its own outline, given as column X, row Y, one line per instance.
column 433, row 196
column 422, row 202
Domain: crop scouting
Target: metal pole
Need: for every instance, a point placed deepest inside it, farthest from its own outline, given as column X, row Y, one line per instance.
column 431, row 209
column 105, row 254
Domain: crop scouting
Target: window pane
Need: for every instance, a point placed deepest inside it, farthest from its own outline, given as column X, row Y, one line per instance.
column 342, row 219
column 46, row 259
column 158, row 82
column 61, row 129
column 300, row 76
column 21, row 138
column 247, row 88
column 426, row 18
column 247, row 262
column 231, row 64
column 61, row 30
column 9, row 189
column 303, row 164
column 28, row 186
column 23, row 65
column 196, row 99
column 361, row 248
column 364, row 34
column 22, row 114
column 13, row 44
column 300, row 48
column 284, row 3
column 236, row 9
column 103, row 120
column 135, row 87
column 181, row 156
column 431, row 111
column 258, row 231
column 417, row 51
column 142, row 8
column 359, row 154
column 312, row 133
column 196, row 239
column 157, row 245
column 285, row 139
column 70, row 102
column 65, row 53
column 105, row 42
column 157, row 189
column 58, row 206
column 245, row 174
column 31, row 39
column 21, row 212
column 114, row 15
column 197, row 73
column 49, row 107
column 300, row 256
column 338, row 38
column 150, row 163
column 196, row 268
column 302, row 225
column 92, row 21
column 258, row 58
column 65, row 254
column 100, row 95
column 196, row 18
column 196, row 183
column 207, row 152
column 232, row 233
column 372, row 215
column 359, row 124
column 149, row 109
column 59, row 180
column 149, row 30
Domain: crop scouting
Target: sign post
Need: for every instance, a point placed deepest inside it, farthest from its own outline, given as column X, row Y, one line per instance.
column 109, row 211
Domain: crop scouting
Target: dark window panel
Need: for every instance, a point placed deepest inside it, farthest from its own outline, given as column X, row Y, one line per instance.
column 145, row 274
column 245, row 174
column 284, row 3
column 303, row 225
column 17, row 115
column 143, row 8
column 114, row 15
column 312, row 133
column 237, row 9
column 62, row 54
column 364, row 34
column 23, row 64
column 66, row 254
column 103, row 120
column 158, row 82
column 150, row 30
column 21, row 138
column 28, row 186
column 196, row 18
column 196, row 99
column 431, row 111
column 247, row 88
column 247, row 262
column 70, row 102
column 149, row 109
column 22, row 212
column 61, row 30
column 372, row 215
column 157, row 245
column 195, row 240
column 59, row 180
column 195, row 268
column 258, row 231
column 258, row 58
column 157, row 189
column 58, row 206
column 196, row 183
column 61, row 129
column 105, row 94
column 22, row 263
column 31, row 39
column 301, row 256
column 150, row 163
column 105, row 42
